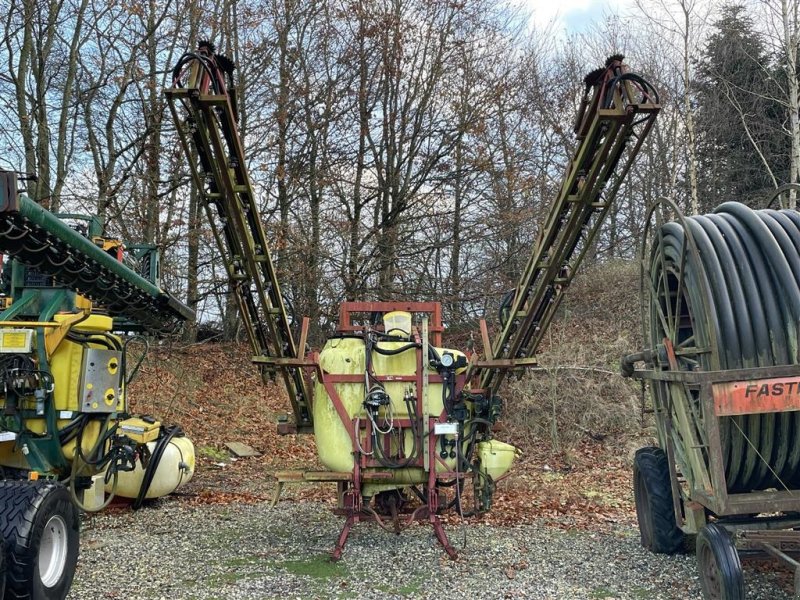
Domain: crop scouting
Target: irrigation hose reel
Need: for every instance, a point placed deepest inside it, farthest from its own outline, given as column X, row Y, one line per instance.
column 722, row 292
column 720, row 311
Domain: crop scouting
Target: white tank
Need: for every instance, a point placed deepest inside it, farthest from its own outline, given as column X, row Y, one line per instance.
column 175, row 469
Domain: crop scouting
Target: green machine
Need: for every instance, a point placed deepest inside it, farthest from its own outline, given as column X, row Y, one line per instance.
column 67, row 441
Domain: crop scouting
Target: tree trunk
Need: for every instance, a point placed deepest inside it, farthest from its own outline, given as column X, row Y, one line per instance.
column 690, row 129
column 790, row 29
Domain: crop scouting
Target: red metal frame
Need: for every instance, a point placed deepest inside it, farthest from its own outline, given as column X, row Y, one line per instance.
column 434, row 309
column 369, row 469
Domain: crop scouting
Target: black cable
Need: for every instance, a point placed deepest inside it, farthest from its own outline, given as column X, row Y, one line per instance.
column 128, row 378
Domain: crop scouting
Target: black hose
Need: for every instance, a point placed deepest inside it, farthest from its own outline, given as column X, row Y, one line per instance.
column 128, row 378
column 155, row 459
column 734, row 303
column 97, row 457
column 504, row 310
column 71, row 430
column 394, row 351
column 645, row 86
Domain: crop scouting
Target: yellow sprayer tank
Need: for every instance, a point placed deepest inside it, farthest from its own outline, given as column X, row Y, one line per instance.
column 347, row 356
column 175, row 469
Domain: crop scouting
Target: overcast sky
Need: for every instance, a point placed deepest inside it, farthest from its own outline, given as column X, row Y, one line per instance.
column 574, row 15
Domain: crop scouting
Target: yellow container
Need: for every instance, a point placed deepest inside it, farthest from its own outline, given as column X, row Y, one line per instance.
column 139, row 430
column 397, row 322
column 347, row 356
column 66, row 363
column 175, row 469
column 495, row 457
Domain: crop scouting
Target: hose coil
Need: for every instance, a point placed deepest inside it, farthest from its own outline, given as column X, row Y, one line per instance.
column 725, row 291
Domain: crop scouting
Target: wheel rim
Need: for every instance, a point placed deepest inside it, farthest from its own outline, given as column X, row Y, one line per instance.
column 710, row 573
column 53, row 551
column 672, row 317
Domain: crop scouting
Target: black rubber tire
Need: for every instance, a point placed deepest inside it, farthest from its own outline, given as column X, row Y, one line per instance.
column 26, row 510
column 721, row 576
column 652, row 492
column 3, row 566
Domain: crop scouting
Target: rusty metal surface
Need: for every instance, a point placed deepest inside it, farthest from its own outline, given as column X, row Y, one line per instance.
column 715, row 496
column 348, row 310
column 756, row 396
column 718, row 376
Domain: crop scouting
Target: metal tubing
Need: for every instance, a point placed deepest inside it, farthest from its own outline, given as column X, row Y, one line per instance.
column 729, row 301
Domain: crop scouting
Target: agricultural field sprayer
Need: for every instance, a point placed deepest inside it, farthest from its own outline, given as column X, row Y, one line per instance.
column 397, row 416
column 67, row 440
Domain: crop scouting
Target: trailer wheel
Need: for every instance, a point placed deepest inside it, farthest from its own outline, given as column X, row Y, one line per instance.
column 40, row 531
column 721, row 576
column 652, row 492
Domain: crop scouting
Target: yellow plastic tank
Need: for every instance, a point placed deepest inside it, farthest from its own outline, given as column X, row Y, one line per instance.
column 495, row 457
column 397, row 322
column 347, row 356
column 175, row 469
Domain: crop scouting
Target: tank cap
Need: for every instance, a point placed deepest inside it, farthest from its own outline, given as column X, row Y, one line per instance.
column 397, row 322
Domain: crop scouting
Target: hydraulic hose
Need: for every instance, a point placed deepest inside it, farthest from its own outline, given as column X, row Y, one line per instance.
column 155, row 460
column 78, row 467
column 80, row 464
column 727, row 296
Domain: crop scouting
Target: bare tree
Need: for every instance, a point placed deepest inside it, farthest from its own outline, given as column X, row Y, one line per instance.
column 681, row 24
column 41, row 67
column 783, row 27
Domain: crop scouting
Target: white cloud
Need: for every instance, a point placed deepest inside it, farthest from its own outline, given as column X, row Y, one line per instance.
column 572, row 14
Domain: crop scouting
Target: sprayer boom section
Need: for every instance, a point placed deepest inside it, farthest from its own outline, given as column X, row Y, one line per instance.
column 204, row 111
column 41, row 240
column 616, row 114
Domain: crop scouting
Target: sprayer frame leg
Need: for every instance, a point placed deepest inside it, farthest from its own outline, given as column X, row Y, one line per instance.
column 438, row 529
column 424, row 512
column 339, row 549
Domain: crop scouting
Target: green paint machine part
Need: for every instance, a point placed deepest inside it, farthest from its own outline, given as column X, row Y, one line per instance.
column 37, row 238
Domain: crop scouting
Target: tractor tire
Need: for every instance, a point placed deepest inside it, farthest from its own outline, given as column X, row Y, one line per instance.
column 40, row 525
column 3, row 566
column 721, row 576
column 652, row 492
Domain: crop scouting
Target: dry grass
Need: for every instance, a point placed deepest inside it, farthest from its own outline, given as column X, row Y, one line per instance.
column 578, row 391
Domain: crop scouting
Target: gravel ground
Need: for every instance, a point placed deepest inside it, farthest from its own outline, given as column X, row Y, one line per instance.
column 239, row 551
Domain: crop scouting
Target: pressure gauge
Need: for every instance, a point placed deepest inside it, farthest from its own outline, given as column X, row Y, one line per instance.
column 447, row 360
